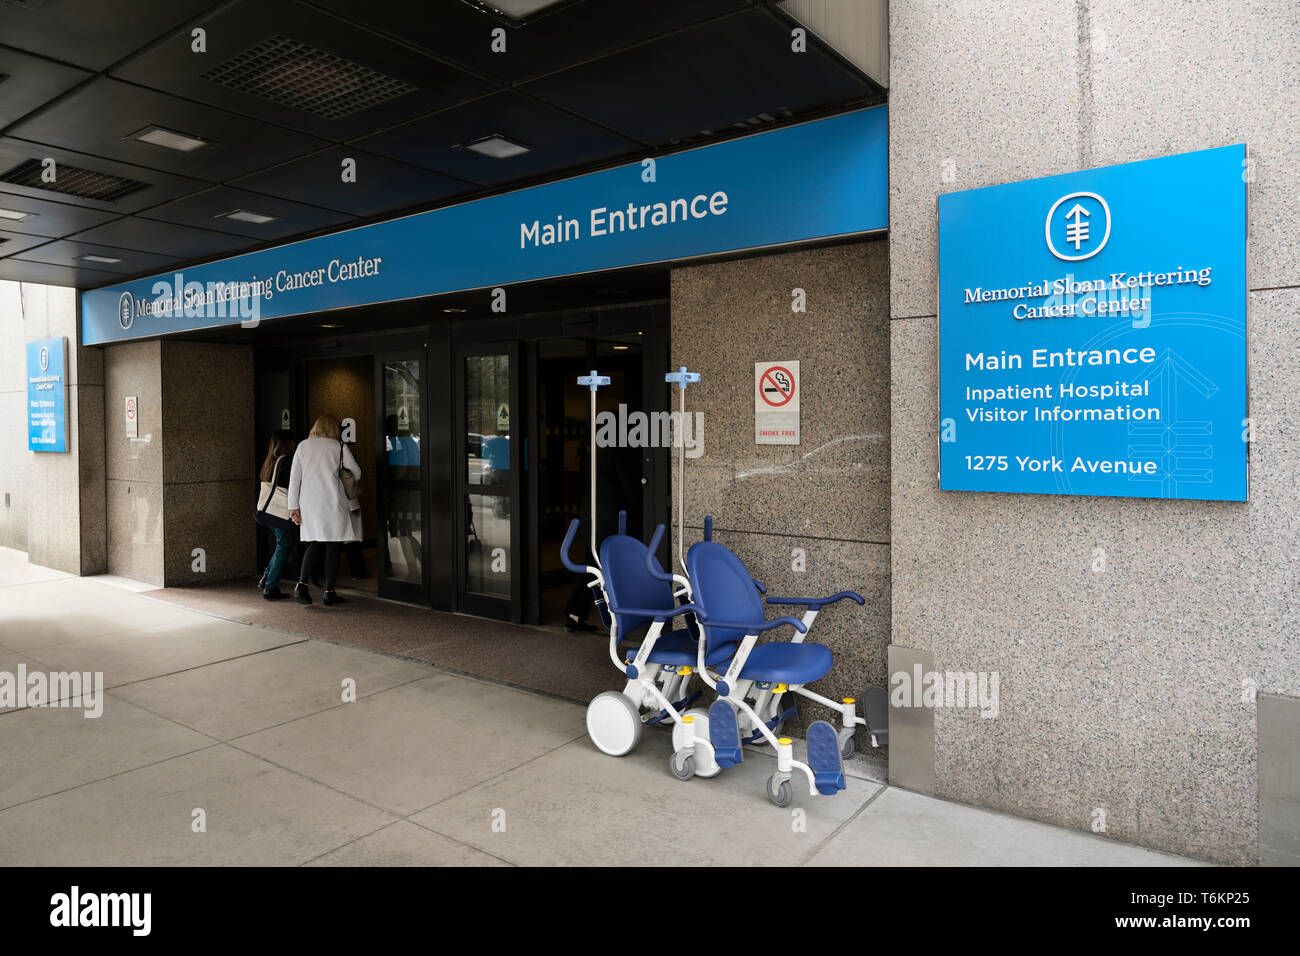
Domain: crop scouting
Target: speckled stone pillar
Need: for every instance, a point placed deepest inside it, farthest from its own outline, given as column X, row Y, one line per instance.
column 51, row 503
column 180, row 493
column 808, row 519
column 1128, row 701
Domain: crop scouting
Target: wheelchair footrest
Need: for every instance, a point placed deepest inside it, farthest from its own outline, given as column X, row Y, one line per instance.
column 724, row 734
column 875, row 708
column 824, row 758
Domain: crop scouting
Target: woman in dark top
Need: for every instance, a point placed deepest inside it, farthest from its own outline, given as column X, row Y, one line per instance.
column 275, row 469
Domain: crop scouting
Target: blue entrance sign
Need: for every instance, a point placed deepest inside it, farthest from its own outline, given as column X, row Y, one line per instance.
column 1092, row 332
column 820, row 179
column 47, row 396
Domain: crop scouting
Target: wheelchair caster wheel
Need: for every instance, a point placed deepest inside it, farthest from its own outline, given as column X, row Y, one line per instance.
column 705, row 765
column 847, row 747
column 613, row 723
column 778, row 791
column 682, row 765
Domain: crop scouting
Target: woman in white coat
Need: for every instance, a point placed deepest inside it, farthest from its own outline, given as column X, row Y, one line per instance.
column 319, row 504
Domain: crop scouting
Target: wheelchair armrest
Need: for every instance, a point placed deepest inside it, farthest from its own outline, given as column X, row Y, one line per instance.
column 564, row 550
column 657, row 573
column 816, row 604
column 752, row 627
column 658, row 615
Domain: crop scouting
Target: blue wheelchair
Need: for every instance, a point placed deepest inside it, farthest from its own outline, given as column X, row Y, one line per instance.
column 636, row 597
column 726, row 605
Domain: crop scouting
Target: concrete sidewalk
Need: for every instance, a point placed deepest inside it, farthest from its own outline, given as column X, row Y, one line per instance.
column 244, row 729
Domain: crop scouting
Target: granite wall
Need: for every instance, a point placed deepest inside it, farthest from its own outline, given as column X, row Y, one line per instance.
column 813, row 518
column 51, row 503
column 187, row 480
column 1128, row 695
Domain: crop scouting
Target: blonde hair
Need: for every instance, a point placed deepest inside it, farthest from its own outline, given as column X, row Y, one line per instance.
column 327, row 426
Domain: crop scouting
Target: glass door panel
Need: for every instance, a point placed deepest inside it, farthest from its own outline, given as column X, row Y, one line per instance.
column 402, row 535
column 489, row 481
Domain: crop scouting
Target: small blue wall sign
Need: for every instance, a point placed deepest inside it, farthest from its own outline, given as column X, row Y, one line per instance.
column 1092, row 332
column 47, row 396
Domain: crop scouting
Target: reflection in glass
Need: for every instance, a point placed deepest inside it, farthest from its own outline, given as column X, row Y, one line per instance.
column 402, row 544
column 487, row 419
column 402, row 420
column 402, row 559
column 487, row 545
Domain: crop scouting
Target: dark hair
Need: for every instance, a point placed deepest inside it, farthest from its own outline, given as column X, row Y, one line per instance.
column 281, row 444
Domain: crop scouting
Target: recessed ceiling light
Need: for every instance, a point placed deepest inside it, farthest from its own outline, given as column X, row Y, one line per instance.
column 105, row 259
column 243, row 215
column 331, row 325
column 454, row 310
column 497, row 146
column 169, row 139
column 620, row 348
column 517, row 9
column 15, row 215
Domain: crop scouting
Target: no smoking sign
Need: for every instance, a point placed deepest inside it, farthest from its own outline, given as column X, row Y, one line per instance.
column 776, row 403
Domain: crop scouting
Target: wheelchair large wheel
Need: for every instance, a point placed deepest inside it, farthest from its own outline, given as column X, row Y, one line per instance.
column 613, row 723
column 705, row 765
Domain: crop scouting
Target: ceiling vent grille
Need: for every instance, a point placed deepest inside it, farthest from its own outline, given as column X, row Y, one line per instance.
column 73, row 181
column 299, row 76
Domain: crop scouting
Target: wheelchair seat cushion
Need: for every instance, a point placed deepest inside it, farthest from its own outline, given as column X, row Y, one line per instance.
column 788, row 663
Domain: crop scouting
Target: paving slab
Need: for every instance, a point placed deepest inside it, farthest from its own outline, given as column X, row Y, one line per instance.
column 44, row 750
column 405, row 844
column 577, row 806
column 256, row 815
column 237, row 697
column 406, row 748
column 902, row 828
column 141, row 654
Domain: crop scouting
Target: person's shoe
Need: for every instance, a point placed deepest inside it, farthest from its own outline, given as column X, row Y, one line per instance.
column 302, row 594
column 331, row 597
column 572, row 625
column 274, row 595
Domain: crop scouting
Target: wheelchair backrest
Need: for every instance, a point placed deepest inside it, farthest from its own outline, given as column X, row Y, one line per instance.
column 723, row 590
column 629, row 585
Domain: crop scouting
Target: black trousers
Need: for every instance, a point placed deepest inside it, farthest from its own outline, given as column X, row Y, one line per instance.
column 317, row 551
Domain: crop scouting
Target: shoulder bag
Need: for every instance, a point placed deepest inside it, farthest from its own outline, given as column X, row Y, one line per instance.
column 351, row 484
column 273, row 502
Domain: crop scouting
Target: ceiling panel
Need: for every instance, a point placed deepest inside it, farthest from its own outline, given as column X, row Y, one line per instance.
column 27, row 82
column 91, row 33
column 556, row 139
column 381, row 185
column 289, row 64
column 47, row 218
column 163, row 238
column 457, row 31
column 67, row 252
column 42, row 273
column 155, row 186
column 13, row 242
column 208, row 210
column 653, row 92
column 287, row 90
column 103, row 117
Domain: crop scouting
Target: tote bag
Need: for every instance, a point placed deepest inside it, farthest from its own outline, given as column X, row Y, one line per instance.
column 273, row 502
